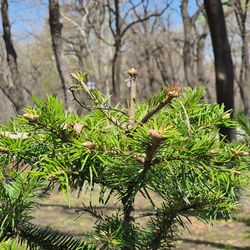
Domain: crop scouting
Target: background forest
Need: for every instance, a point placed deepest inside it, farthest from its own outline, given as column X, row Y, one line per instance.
column 179, row 70
column 167, row 41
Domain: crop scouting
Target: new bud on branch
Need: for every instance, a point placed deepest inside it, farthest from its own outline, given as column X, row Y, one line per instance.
column 132, row 72
column 132, row 78
column 31, row 117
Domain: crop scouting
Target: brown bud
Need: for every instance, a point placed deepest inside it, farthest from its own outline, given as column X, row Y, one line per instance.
column 74, row 76
column 77, row 127
column 4, row 150
column 154, row 134
column 88, row 144
column 238, row 153
column 226, row 117
column 174, row 92
column 132, row 72
column 31, row 117
column 22, row 136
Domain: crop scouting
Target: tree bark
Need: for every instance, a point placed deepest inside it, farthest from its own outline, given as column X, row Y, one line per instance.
column 188, row 44
column 200, row 52
column 15, row 93
column 224, row 72
column 57, row 45
column 201, row 56
column 116, row 67
column 241, row 17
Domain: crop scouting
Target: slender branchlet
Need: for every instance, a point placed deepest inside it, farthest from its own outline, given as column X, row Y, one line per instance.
column 170, row 96
column 132, row 80
column 80, row 79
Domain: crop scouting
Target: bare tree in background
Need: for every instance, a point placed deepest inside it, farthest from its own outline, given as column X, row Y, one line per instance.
column 143, row 37
column 200, row 51
column 157, row 54
column 119, row 26
column 224, row 71
column 14, row 93
column 189, row 41
column 241, row 11
column 78, row 32
column 57, row 45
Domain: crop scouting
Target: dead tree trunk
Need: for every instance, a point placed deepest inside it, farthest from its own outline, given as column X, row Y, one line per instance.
column 224, row 72
column 14, row 93
column 57, row 45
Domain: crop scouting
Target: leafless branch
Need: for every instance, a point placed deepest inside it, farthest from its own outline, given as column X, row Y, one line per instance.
column 143, row 19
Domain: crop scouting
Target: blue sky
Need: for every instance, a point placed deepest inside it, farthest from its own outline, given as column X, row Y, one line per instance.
column 28, row 16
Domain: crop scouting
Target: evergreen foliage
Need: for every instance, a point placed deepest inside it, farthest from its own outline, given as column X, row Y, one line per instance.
column 171, row 147
column 244, row 123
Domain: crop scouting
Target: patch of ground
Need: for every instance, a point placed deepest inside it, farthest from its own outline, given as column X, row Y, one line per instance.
column 232, row 234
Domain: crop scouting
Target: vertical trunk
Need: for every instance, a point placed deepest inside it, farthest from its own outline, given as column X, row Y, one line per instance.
column 224, row 72
column 244, row 74
column 115, row 74
column 57, row 44
column 16, row 93
column 116, row 78
column 116, row 67
column 241, row 17
column 202, row 81
column 187, row 48
column 160, row 62
column 128, row 224
column 148, row 55
column 201, row 57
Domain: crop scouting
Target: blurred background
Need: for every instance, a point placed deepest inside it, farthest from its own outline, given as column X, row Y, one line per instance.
column 167, row 41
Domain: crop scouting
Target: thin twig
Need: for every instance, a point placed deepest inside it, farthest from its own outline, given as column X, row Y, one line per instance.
column 110, row 109
column 170, row 96
column 145, row 215
column 157, row 109
column 91, row 210
column 97, row 103
column 138, row 158
column 19, row 135
column 187, row 119
column 132, row 78
column 77, row 100
column 91, row 108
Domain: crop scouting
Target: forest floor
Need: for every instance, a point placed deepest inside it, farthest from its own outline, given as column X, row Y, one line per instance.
column 232, row 234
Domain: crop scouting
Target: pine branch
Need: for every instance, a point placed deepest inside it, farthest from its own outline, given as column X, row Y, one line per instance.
column 149, row 214
column 48, row 238
column 155, row 142
column 170, row 96
column 134, row 187
column 91, row 210
column 164, row 226
column 21, row 135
